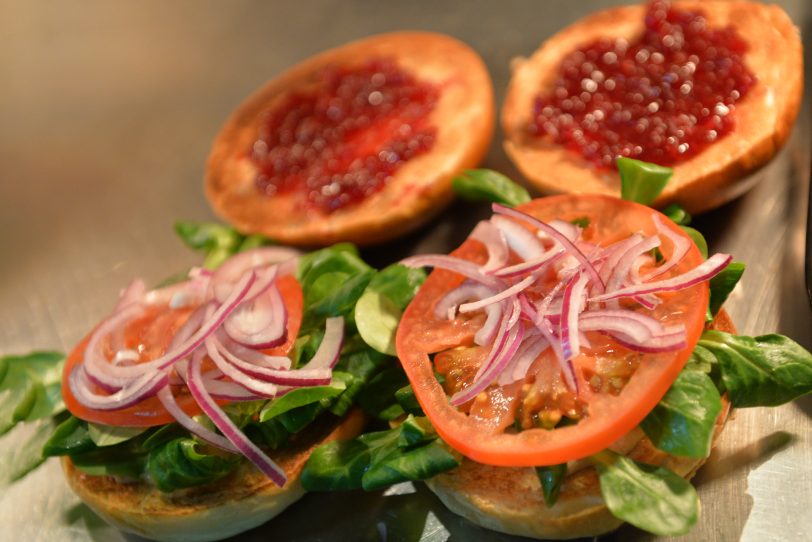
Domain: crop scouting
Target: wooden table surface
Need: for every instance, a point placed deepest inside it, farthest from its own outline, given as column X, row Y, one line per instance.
column 107, row 111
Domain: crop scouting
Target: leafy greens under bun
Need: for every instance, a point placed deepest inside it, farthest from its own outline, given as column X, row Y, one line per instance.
column 511, row 500
column 243, row 500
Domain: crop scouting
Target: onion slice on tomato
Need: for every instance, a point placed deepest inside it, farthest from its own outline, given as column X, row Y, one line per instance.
column 239, row 310
column 589, row 280
column 229, row 429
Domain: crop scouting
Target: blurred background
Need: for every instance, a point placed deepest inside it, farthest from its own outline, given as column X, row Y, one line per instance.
column 107, row 112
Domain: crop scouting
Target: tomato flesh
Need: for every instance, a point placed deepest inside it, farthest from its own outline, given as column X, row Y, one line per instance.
column 618, row 387
column 150, row 334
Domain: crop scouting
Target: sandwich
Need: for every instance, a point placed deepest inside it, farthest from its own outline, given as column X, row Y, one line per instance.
column 572, row 356
column 195, row 405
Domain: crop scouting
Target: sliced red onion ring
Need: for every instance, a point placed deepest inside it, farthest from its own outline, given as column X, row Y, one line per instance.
column 612, row 254
column 620, row 273
column 654, row 345
column 634, row 325
column 204, row 433
column 330, row 348
column 118, row 375
column 238, row 265
column 123, row 357
column 504, row 294
column 574, row 295
column 494, row 240
column 506, row 325
column 555, row 234
column 649, row 301
column 293, row 377
column 446, row 306
column 681, row 245
column 145, row 386
column 180, row 294
column 260, row 323
column 706, row 270
column 133, row 293
column 458, row 265
column 254, row 385
column 229, row 429
column 254, row 357
column 499, row 357
column 567, row 229
column 530, row 266
column 487, row 332
column 219, row 389
column 521, row 241
column 528, row 352
column 541, row 323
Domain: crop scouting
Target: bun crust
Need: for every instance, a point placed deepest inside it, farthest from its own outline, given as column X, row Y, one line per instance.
column 464, row 117
column 764, row 117
column 510, row 500
column 241, row 501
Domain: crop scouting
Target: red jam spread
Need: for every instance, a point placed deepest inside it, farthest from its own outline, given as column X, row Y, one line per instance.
column 344, row 139
column 661, row 98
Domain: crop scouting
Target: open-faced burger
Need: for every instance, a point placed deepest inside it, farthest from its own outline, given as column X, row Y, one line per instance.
column 195, row 406
column 358, row 143
column 709, row 88
column 568, row 351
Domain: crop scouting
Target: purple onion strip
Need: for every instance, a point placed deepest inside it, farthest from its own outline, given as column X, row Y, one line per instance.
column 706, row 270
column 229, row 429
column 574, row 294
column 494, row 240
column 207, row 435
column 555, row 234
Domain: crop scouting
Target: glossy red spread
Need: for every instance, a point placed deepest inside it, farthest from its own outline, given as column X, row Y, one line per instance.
column 343, row 139
column 661, row 98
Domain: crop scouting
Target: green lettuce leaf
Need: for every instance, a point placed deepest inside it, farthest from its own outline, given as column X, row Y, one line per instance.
column 641, row 181
column 551, row 479
column 379, row 309
column 651, row 498
column 682, row 423
column 180, row 463
column 409, row 452
column 768, row 370
column 722, row 284
column 489, row 185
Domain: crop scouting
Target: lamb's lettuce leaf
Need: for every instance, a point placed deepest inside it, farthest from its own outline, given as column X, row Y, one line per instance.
column 722, row 284
column 768, row 370
column 489, row 185
column 409, row 452
column 654, row 499
column 379, row 309
column 182, row 463
column 683, row 421
column 551, row 479
column 641, row 181
column 110, row 435
column 30, row 388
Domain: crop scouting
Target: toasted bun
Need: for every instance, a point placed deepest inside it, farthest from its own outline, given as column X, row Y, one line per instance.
column 241, row 501
column 510, row 500
column 464, row 118
column 718, row 174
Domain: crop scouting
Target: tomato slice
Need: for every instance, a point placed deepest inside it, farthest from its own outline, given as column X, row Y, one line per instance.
column 152, row 333
column 482, row 433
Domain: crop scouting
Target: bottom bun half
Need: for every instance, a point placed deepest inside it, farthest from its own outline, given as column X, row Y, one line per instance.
column 241, row 501
column 510, row 499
